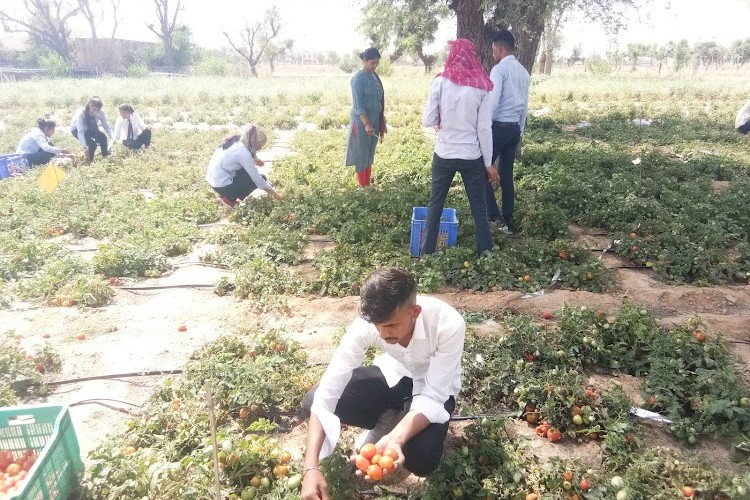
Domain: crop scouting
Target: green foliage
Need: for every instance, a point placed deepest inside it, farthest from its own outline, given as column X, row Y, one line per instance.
column 137, row 71
column 171, row 439
column 22, row 372
column 211, row 65
column 54, row 64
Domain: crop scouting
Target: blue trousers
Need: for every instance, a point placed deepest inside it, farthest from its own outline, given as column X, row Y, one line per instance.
column 475, row 181
column 505, row 139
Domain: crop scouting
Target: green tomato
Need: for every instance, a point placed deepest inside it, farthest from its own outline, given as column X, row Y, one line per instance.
column 577, row 420
column 617, row 482
column 622, row 495
column 265, row 483
column 248, row 493
column 294, row 482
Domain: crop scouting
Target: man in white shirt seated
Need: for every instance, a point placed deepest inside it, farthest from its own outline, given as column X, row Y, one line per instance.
column 742, row 122
column 407, row 396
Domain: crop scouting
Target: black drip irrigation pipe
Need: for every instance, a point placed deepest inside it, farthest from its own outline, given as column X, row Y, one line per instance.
column 97, row 400
column 119, row 375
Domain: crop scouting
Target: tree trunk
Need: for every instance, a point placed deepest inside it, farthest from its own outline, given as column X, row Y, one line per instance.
column 168, row 52
column 397, row 53
column 253, row 70
column 527, row 23
column 542, row 61
column 470, row 20
column 548, row 60
column 427, row 59
column 528, row 37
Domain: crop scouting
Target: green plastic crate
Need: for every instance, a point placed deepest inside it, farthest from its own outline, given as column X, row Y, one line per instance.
column 48, row 430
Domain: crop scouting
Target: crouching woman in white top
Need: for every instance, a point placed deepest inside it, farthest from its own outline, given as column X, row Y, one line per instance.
column 130, row 130
column 36, row 146
column 232, row 171
column 85, row 128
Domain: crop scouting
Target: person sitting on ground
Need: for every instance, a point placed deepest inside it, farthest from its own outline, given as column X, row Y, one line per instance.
column 85, row 128
column 742, row 122
column 36, row 147
column 130, row 130
column 232, row 171
column 408, row 394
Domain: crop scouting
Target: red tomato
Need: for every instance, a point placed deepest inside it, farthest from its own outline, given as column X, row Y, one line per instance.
column 362, row 463
column 375, row 472
column 554, row 435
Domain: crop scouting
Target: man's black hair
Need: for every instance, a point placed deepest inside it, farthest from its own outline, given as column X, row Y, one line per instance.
column 384, row 291
column 506, row 39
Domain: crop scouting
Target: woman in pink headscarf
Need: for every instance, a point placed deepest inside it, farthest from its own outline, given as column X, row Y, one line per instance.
column 233, row 169
column 459, row 105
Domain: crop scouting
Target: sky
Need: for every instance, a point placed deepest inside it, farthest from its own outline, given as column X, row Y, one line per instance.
column 323, row 25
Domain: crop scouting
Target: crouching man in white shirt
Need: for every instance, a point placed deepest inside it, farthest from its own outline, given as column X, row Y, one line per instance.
column 415, row 380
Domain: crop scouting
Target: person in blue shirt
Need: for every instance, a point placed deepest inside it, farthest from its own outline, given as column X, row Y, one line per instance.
column 85, row 128
column 367, row 122
column 510, row 101
column 36, row 147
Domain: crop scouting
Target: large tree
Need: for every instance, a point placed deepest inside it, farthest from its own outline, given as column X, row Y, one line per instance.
column 479, row 19
column 46, row 23
column 410, row 25
column 258, row 39
column 94, row 13
column 167, row 18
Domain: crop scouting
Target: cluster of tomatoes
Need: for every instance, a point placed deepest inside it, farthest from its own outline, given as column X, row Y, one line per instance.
column 263, row 483
column 374, row 465
column 545, row 430
column 13, row 471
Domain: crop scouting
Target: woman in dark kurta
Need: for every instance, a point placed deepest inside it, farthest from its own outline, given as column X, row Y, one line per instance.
column 367, row 123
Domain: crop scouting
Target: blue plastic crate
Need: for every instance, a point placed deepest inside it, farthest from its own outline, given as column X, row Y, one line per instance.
column 13, row 164
column 447, row 236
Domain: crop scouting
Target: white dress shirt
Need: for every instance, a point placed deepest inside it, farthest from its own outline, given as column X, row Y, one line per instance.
column 463, row 115
column 121, row 126
column 510, row 94
column 225, row 163
column 79, row 123
column 33, row 141
column 743, row 115
column 432, row 360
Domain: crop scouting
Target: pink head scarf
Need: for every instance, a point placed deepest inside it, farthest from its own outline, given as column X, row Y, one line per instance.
column 463, row 67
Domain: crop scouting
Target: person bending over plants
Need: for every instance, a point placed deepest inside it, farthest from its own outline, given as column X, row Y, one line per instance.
column 36, row 147
column 233, row 169
column 742, row 122
column 85, row 128
column 406, row 397
column 130, row 130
